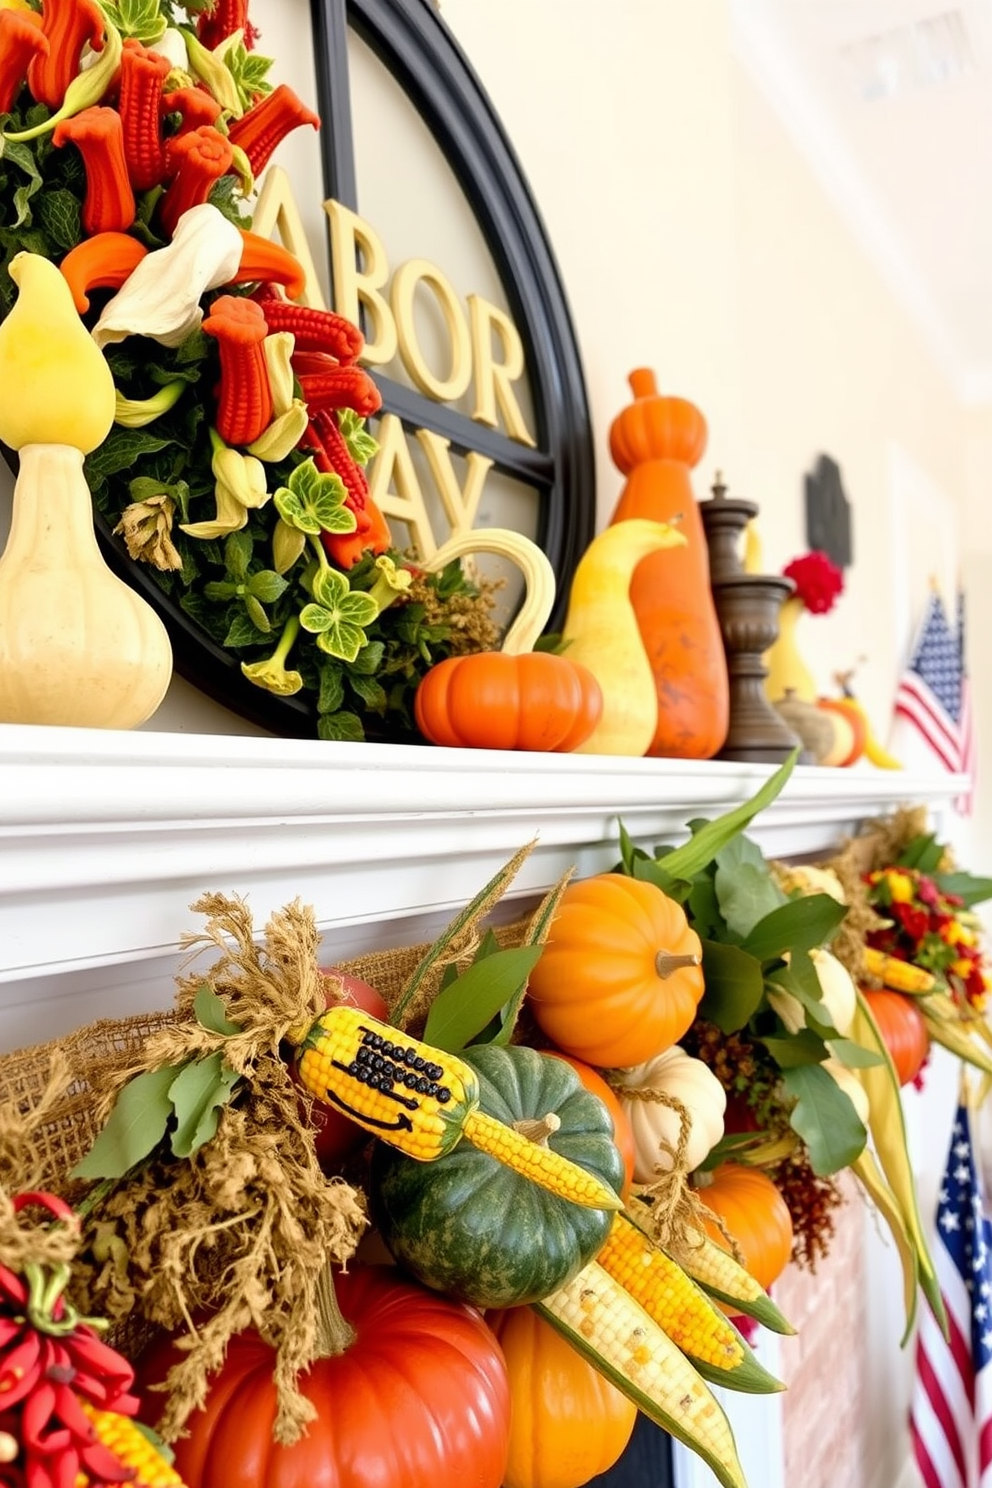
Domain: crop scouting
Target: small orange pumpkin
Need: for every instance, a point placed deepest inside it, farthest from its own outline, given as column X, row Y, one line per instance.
column 567, row 1422
column 851, row 732
column 536, row 701
column 620, row 976
column 756, row 1215
column 903, row 1029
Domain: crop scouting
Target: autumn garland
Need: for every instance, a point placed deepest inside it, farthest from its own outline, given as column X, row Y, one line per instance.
column 133, row 134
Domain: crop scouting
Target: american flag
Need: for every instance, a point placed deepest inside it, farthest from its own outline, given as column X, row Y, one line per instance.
column 951, row 1411
column 934, row 695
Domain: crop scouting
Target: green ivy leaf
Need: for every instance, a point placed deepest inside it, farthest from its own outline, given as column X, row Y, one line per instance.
column 341, row 639
column 734, row 986
column 134, row 1128
column 211, row 1013
column 313, row 501
column 20, row 154
column 464, row 1007
column 825, row 1119
column 361, row 445
column 198, row 1094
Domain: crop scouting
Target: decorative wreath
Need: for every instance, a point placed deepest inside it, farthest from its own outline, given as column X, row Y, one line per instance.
column 132, row 136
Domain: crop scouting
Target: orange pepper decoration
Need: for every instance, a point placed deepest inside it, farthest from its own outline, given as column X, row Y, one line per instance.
column 655, row 442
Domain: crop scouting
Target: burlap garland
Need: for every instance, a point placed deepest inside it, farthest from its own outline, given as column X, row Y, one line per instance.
column 240, row 1233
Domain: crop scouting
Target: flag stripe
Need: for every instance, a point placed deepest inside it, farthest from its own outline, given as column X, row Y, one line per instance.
column 951, row 1408
column 933, row 694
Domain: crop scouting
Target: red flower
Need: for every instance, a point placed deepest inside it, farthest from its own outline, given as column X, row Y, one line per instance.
column 817, row 579
column 915, row 922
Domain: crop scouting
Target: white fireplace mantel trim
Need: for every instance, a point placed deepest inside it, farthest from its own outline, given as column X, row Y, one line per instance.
column 106, row 838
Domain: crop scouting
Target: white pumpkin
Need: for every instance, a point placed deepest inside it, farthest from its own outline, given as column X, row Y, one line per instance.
column 840, row 996
column 687, row 1080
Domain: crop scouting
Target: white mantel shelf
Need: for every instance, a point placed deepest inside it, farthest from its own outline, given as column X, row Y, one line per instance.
column 106, row 838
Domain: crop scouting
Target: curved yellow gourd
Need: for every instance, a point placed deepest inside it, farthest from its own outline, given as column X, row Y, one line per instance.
column 601, row 632
column 57, row 387
column 539, row 578
column 78, row 647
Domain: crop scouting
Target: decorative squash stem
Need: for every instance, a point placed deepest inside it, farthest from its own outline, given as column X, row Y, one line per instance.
column 539, row 1129
column 539, row 578
column 335, row 1335
column 666, row 963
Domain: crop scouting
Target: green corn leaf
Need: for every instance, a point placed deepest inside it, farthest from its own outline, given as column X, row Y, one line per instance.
column 686, row 861
column 466, row 1005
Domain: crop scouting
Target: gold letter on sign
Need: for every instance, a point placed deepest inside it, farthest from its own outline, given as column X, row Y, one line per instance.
column 493, row 378
column 394, row 487
column 404, row 288
column 353, row 240
column 460, row 506
column 276, row 211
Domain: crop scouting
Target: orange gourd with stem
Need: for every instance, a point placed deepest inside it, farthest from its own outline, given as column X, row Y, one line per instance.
column 655, row 442
column 620, row 976
column 755, row 1214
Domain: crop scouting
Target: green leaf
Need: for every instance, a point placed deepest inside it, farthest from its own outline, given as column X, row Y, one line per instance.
column 257, row 615
column 237, row 554
column 316, row 619
column 745, row 889
column 267, row 586
column 972, row 890
column 14, row 152
column 330, row 695
column 369, row 660
column 804, row 1047
column 59, row 213
column 825, row 1118
column 686, row 861
column 198, row 1094
column 242, row 631
column 651, row 871
column 342, row 727
column 370, row 690
column 799, row 925
column 361, row 445
column 703, row 909
column 464, row 1008
column 924, row 853
column 121, row 450
column 292, row 510
column 340, row 639
column 134, row 1127
column 211, row 1013
column 799, row 977
column 734, row 986
column 853, row 1055
column 139, row 18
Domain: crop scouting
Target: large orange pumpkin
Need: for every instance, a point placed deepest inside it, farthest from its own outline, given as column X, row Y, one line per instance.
column 903, row 1029
column 420, row 1400
column 623, row 1132
column 620, row 976
column 492, row 700
column 655, row 441
column 567, row 1423
column 756, row 1215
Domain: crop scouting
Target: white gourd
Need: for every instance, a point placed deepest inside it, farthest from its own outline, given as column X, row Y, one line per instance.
column 840, row 997
column 688, row 1080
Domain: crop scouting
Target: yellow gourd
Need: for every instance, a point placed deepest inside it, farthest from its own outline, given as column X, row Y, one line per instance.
column 602, row 633
column 77, row 645
column 57, row 387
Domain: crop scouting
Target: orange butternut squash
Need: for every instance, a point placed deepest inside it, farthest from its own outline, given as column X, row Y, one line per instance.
column 655, row 442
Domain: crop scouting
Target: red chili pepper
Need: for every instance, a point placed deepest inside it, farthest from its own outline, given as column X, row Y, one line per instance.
column 263, row 128
column 68, row 26
column 21, row 40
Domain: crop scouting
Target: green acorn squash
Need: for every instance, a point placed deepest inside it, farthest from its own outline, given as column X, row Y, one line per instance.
column 473, row 1229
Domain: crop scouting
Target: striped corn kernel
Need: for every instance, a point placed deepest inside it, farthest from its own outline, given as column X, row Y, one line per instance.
column 539, row 1163
column 409, row 1094
column 125, row 1441
column 633, row 1347
column 901, row 976
column 668, row 1296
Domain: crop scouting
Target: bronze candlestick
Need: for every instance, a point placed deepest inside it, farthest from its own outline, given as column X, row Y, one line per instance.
column 747, row 607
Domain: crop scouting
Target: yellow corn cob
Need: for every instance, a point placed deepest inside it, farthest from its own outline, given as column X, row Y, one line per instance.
column 901, row 976
column 618, row 1337
column 719, row 1274
column 423, row 1101
column 665, row 1292
column 125, row 1441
